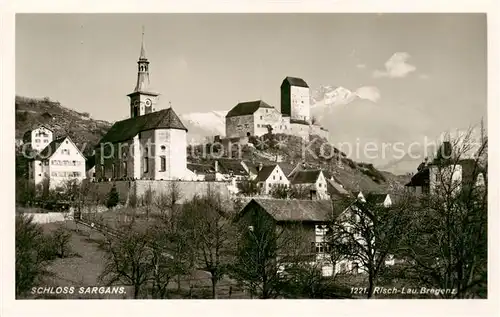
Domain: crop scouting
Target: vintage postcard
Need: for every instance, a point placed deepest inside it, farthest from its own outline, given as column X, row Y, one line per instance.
column 241, row 156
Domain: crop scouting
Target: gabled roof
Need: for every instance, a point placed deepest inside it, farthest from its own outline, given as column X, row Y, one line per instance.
column 421, row 178
column 295, row 210
column 90, row 163
column 228, row 166
column 336, row 189
column 375, row 198
column 252, row 167
column 294, row 81
column 265, row 172
column 200, row 168
column 306, row 177
column 127, row 129
column 247, row 108
column 50, row 149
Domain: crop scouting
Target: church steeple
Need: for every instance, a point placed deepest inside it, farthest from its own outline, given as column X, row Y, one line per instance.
column 142, row 69
column 143, row 51
column 142, row 101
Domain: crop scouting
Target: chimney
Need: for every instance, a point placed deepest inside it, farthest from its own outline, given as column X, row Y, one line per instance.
column 216, row 166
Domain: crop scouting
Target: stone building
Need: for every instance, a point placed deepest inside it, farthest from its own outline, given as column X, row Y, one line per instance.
column 254, row 118
column 150, row 144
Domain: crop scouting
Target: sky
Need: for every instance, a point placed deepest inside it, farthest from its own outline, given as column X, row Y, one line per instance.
column 419, row 74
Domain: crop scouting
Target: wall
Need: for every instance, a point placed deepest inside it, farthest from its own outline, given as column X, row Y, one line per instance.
column 239, row 126
column 172, row 144
column 66, row 163
column 264, row 117
column 277, row 177
column 39, row 142
column 50, row 217
column 317, row 130
column 139, row 100
column 449, row 175
column 187, row 188
column 300, row 107
column 300, row 130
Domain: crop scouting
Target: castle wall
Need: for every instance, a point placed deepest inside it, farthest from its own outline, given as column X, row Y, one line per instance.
column 239, row 126
column 264, row 117
column 300, row 130
column 317, row 130
column 300, row 104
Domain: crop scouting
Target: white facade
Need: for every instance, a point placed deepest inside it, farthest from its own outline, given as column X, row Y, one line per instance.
column 64, row 164
column 40, row 138
column 300, row 104
column 276, row 178
column 448, row 176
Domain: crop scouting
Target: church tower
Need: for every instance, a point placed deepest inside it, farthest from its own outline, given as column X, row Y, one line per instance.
column 142, row 101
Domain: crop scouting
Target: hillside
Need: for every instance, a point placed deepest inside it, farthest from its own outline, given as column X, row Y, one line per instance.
column 288, row 152
column 86, row 132
column 82, row 129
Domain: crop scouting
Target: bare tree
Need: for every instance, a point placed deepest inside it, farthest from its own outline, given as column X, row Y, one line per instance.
column 212, row 234
column 148, row 200
column 366, row 233
column 446, row 243
column 264, row 251
column 128, row 259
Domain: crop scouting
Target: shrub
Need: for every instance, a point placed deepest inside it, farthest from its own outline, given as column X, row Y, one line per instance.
column 113, row 198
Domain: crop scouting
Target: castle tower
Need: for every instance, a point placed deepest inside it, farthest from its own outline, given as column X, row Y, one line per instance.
column 142, row 101
column 295, row 101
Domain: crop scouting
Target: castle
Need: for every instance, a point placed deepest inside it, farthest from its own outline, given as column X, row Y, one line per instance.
column 254, row 118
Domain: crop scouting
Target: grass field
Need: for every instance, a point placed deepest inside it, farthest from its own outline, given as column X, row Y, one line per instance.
column 84, row 267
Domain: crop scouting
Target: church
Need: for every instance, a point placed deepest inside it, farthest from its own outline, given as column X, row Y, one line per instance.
column 150, row 144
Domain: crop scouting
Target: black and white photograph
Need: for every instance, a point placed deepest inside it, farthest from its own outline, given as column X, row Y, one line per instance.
column 339, row 156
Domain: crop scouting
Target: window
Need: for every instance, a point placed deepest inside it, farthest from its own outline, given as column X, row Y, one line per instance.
column 124, row 168
column 274, row 178
column 260, row 117
column 319, row 185
column 37, row 140
column 281, row 178
column 113, row 170
column 45, row 141
column 266, row 110
column 103, row 170
column 163, row 147
column 258, row 125
column 163, row 163
column 146, row 164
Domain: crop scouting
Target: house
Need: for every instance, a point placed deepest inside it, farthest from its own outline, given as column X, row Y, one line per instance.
column 150, row 144
column 313, row 180
column 229, row 170
column 269, row 177
column 200, row 170
column 454, row 174
column 313, row 217
column 59, row 162
column 38, row 138
column 359, row 196
column 379, row 199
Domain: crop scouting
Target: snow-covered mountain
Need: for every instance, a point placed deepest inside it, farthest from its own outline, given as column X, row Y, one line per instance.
column 201, row 125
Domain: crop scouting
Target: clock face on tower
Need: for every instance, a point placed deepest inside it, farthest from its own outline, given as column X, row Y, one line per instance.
column 136, row 102
column 148, row 102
